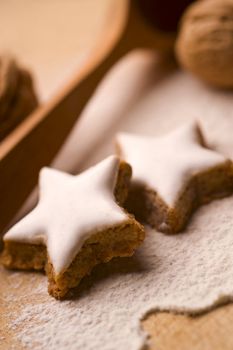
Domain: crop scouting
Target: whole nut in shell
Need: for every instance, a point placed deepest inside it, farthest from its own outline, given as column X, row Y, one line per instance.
column 205, row 41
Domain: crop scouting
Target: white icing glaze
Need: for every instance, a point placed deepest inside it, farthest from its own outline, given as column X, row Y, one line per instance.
column 70, row 209
column 191, row 272
column 167, row 163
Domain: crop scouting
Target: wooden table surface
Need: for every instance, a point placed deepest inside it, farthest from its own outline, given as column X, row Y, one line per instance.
column 210, row 331
column 53, row 57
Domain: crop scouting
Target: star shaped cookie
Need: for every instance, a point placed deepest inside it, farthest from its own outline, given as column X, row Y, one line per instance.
column 77, row 224
column 173, row 175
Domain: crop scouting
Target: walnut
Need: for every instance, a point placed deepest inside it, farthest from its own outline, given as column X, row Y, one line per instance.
column 205, row 41
column 17, row 95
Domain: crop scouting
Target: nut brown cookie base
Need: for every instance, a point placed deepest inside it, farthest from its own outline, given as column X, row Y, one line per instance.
column 117, row 241
column 148, row 207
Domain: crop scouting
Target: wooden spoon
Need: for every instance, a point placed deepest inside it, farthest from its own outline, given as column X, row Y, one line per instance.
column 35, row 141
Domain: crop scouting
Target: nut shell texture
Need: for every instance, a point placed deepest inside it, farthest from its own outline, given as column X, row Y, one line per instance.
column 205, row 42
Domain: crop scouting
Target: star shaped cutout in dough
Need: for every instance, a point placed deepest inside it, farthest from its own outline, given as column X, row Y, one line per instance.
column 79, row 221
column 172, row 175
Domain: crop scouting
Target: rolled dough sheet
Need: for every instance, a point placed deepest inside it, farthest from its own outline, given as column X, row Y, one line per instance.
column 189, row 272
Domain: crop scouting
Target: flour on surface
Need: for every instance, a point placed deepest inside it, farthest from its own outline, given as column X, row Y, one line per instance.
column 188, row 272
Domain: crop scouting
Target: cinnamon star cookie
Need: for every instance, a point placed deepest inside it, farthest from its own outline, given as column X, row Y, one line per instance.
column 173, row 175
column 77, row 224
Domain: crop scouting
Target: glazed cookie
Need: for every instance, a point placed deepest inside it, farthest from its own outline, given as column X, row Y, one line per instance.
column 173, row 175
column 77, row 224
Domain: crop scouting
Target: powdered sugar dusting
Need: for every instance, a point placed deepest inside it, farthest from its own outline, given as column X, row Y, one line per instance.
column 189, row 272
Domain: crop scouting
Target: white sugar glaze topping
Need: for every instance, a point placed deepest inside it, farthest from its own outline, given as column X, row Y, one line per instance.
column 167, row 163
column 70, row 210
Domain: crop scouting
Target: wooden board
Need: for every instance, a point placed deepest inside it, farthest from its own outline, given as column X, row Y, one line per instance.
column 52, row 38
column 212, row 330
